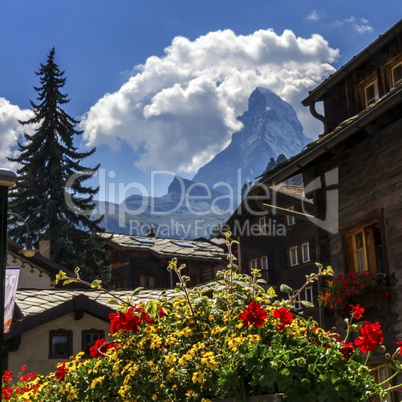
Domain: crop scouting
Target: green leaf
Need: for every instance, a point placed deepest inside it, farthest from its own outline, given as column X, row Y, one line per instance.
column 306, row 303
column 286, row 289
column 152, row 306
column 96, row 284
column 137, row 291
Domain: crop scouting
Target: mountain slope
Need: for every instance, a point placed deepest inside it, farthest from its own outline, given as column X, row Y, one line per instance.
column 270, row 128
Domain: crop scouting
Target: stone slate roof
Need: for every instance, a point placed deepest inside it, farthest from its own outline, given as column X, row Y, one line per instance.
column 36, row 307
column 32, row 302
column 169, row 248
column 292, row 190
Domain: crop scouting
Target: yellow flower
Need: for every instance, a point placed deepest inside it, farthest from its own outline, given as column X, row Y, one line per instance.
column 185, row 359
column 254, row 338
column 271, row 293
column 198, row 376
column 156, row 342
column 123, row 390
column 170, row 359
column 208, row 359
column 170, row 374
column 218, row 330
column 186, row 332
column 235, row 342
column 96, row 381
column 154, row 397
column 190, row 393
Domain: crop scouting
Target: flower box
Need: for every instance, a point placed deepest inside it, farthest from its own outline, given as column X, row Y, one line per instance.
column 374, row 299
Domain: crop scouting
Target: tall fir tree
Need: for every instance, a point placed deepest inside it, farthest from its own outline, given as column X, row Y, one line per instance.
column 49, row 161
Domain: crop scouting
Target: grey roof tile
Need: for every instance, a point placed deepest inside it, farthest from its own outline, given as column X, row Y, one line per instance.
column 32, row 302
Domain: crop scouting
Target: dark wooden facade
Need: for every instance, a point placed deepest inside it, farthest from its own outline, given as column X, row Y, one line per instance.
column 284, row 239
column 364, row 153
column 144, row 264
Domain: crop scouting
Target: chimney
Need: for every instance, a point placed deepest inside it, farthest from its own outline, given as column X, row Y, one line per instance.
column 152, row 232
column 44, row 248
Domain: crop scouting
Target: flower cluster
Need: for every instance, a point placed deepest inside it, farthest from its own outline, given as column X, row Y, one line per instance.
column 344, row 289
column 100, row 348
column 129, row 320
column 10, row 391
column 229, row 339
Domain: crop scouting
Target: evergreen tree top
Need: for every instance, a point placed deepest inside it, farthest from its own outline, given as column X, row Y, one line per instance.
column 49, row 161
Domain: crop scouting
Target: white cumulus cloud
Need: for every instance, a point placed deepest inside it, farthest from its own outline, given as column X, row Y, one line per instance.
column 314, row 15
column 179, row 110
column 360, row 25
column 10, row 130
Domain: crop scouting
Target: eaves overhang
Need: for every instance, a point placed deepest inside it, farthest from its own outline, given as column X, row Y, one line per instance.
column 297, row 163
column 318, row 93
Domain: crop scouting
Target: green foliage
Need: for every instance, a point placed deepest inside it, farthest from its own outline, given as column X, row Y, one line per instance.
column 49, row 160
column 232, row 338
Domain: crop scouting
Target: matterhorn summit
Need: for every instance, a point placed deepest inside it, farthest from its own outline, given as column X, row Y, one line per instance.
column 270, row 128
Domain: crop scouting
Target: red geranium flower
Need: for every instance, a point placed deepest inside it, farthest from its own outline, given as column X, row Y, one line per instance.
column 371, row 337
column 61, row 372
column 285, row 316
column 357, row 311
column 399, row 345
column 347, row 349
column 253, row 314
column 7, row 376
column 6, row 393
column 129, row 321
column 126, row 321
column 104, row 345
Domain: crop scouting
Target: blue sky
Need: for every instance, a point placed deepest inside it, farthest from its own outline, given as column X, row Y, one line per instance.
column 158, row 84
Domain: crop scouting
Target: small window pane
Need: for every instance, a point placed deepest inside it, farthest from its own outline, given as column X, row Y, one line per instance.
column 371, row 93
column 291, row 219
column 397, row 74
column 89, row 337
column 294, row 256
column 60, row 344
column 264, row 262
column 306, row 252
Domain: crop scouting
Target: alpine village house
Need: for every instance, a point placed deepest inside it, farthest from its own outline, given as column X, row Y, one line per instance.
column 352, row 178
column 353, row 174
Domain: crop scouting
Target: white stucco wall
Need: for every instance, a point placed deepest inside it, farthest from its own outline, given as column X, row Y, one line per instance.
column 34, row 348
column 31, row 277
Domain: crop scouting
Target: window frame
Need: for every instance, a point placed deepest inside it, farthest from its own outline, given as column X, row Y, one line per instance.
column 296, row 261
column 304, row 259
column 69, row 349
column 290, row 220
column 264, row 258
column 85, row 332
column 262, row 225
column 394, row 82
column 254, row 260
column 368, row 252
column 147, row 281
column 308, row 296
column 376, row 96
column 265, row 267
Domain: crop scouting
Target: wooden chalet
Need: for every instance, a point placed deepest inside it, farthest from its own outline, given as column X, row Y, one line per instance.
column 353, row 172
column 142, row 261
column 275, row 236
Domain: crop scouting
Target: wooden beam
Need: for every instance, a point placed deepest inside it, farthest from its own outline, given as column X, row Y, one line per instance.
column 284, row 211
